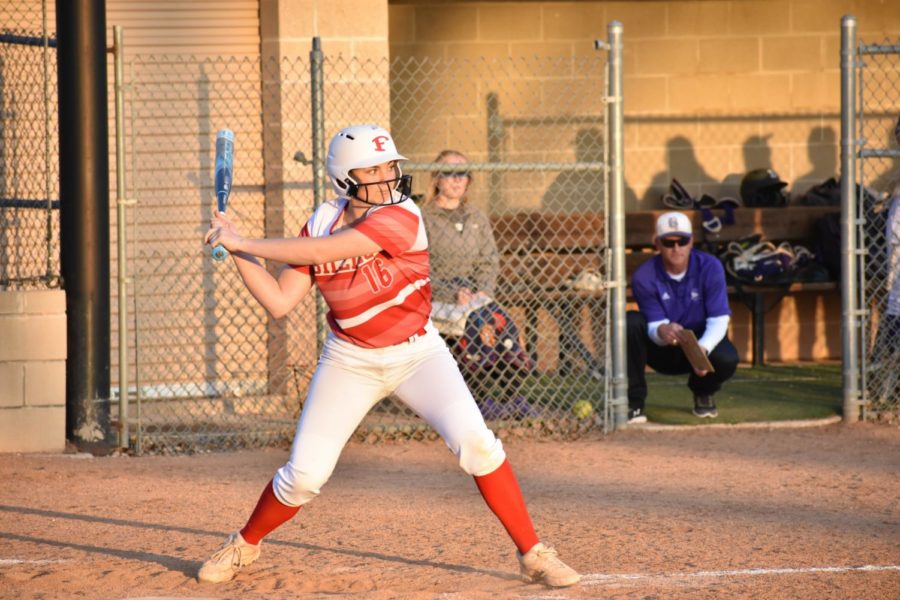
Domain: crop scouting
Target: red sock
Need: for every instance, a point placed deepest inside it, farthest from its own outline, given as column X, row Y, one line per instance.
column 501, row 492
column 269, row 513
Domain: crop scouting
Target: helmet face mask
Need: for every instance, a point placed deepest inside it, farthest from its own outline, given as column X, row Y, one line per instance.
column 398, row 189
column 361, row 146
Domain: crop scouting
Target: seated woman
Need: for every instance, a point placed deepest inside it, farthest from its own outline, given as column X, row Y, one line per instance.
column 465, row 265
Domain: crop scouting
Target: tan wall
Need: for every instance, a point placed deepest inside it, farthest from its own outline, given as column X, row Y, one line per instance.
column 712, row 88
column 354, row 39
column 189, row 307
column 356, row 28
column 33, row 371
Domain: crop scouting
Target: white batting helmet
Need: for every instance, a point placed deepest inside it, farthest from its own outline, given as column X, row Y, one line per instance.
column 356, row 147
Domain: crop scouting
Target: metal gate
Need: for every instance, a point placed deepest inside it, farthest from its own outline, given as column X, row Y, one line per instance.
column 878, row 205
column 212, row 370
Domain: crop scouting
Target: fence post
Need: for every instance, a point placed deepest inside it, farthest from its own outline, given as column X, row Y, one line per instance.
column 495, row 147
column 317, row 84
column 850, row 316
column 617, row 226
column 48, row 238
column 121, row 254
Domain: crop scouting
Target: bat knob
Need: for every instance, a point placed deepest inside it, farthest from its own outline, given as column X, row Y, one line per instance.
column 219, row 253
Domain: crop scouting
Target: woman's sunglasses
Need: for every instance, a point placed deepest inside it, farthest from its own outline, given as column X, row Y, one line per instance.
column 455, row 174
column 671, row 243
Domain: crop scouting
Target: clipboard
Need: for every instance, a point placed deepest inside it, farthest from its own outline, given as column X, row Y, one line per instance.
column 695, row 354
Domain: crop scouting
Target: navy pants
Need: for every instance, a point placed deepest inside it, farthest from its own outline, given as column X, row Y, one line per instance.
column 670, row 360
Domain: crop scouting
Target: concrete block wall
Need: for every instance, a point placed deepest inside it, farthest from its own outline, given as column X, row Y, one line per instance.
column 32, row 371
column 713, row 88
column 354, row 39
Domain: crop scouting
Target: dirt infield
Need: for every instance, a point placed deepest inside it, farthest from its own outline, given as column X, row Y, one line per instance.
column 781, row 513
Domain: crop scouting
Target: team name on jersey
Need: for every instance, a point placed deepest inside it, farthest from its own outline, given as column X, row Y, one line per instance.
column 348, row 265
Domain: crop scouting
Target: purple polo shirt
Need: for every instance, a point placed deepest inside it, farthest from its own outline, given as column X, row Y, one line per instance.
column 700, row 294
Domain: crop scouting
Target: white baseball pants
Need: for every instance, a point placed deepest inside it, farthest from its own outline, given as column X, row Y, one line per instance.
column 350, row 380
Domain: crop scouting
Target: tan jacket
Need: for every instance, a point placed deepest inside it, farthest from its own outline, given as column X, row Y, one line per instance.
column 462, row 250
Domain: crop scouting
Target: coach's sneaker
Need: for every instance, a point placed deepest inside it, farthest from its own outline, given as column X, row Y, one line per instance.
column 636, row 416
column 228, row 560
column 540, row 564
column 705, row 407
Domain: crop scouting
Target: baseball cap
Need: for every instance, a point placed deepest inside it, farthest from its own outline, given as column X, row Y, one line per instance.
column 673, row 223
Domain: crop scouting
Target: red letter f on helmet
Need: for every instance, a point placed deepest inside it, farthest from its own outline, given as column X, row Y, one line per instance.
column 379, row 142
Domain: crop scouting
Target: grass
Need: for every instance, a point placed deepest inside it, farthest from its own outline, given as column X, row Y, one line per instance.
column 758, row 394
column 770, row 393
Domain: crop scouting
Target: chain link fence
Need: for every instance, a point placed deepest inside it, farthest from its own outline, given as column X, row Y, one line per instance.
column 879, row 206
column 29, row 171
column 212, row 370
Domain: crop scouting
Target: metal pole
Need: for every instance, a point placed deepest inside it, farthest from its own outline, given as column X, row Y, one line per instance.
column 317, row 84
column 507, row 167
column 138, row 438
column 608, row 416
column 47, row 173
column 617, row 225
column 84, row 218
column 495, row 148
column 850, row 320
column 121, row 253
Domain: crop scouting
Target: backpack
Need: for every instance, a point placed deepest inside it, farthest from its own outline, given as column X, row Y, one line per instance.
column 492, row 343
column 827, row 193
column 827, row 237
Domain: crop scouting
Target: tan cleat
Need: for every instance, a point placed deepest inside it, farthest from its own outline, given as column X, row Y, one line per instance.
column 228, row 560
column 540, row 564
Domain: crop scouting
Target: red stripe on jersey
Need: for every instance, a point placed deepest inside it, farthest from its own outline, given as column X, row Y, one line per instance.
column 382, row 299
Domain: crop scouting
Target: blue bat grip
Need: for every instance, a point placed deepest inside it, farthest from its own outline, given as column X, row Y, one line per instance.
column 224, row 172
column 219, row 253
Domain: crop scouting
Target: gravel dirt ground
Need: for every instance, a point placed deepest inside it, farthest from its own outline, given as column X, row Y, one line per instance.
column 692, row 513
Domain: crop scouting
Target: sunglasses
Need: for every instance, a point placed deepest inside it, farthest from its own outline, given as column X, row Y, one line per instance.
column 671, row 243
column 455, row 174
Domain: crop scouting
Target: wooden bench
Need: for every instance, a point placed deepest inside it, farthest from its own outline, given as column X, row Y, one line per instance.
column 542, row 252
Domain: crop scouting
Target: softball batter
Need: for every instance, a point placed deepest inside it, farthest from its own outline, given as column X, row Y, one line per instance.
column 368, row 253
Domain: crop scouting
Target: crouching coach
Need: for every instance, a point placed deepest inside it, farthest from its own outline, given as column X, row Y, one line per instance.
column 680, row 288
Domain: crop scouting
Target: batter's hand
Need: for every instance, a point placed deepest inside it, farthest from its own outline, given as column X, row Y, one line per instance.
column 222, row 231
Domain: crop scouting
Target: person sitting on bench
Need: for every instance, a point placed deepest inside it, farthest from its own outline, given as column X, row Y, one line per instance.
column 679, row 288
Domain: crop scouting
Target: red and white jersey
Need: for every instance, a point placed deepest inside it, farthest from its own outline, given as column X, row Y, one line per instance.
column 382, row 299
